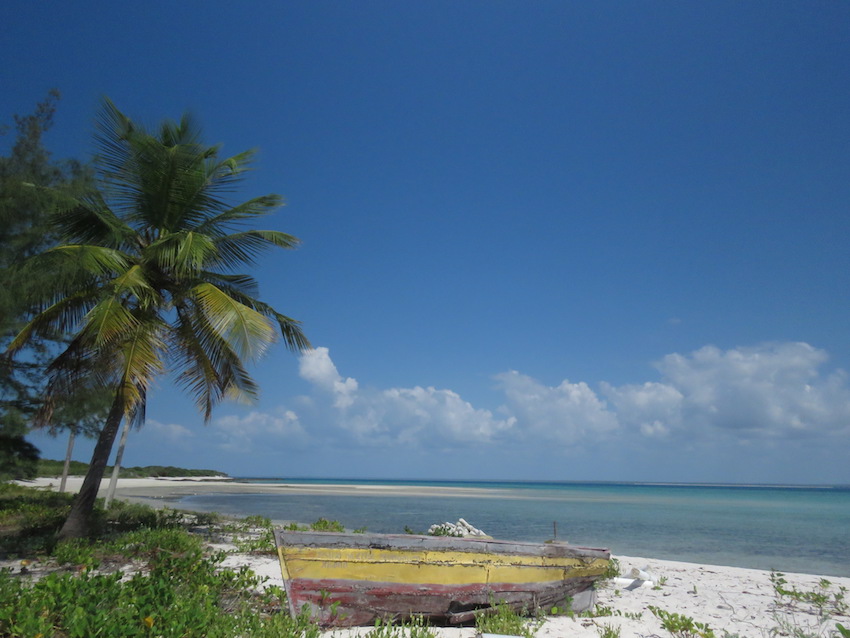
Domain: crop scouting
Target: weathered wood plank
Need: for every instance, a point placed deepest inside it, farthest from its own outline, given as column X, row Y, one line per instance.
column 352, row 579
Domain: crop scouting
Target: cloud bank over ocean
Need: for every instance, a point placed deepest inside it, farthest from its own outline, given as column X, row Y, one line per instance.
column 768, row 392
column 769, row 413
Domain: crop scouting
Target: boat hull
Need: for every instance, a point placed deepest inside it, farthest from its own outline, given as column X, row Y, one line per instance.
column 354, row 579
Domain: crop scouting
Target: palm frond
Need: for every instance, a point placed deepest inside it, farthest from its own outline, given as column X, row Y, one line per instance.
column 247, row 331
column 61, row 317
column 141, row 355
column 95, row 260
column 243, row 248
column 108, row 322
column 236, row 285
column 182, row 253
column 89, row 220
column 257, row 207
column 290, row 329
column 207, row 366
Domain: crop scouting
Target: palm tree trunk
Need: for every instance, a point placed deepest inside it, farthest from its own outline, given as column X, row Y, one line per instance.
column 119, row 456
column 79, row 521
column 72, row 434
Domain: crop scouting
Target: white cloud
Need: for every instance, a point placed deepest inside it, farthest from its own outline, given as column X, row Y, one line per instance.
column 771, row 390
column 441, row 411
column 170, row 431
column 568, row 412
column 238, row 433
column 400, row 415
column 315, row 366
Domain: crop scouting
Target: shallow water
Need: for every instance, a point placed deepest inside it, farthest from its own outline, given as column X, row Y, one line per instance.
column 784, row 528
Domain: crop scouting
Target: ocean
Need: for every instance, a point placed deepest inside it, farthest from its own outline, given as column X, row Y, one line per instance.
column 783, row 528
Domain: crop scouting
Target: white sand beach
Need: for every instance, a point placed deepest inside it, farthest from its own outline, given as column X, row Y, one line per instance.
column 728, row 599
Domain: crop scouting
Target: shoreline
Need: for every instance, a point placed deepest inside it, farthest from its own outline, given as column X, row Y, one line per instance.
column 159, row 492
column 736, row 600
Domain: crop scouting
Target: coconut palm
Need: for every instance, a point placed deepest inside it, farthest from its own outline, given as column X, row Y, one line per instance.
column 145, row 281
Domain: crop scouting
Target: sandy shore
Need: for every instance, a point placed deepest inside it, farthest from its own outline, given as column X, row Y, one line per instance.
column 729, row 599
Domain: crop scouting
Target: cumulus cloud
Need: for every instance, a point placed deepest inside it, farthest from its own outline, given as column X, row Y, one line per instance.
column 315, row 366
column 400, row 415
column 567, row 412
column 770, row 390
column 238, row 433
column 173, row 432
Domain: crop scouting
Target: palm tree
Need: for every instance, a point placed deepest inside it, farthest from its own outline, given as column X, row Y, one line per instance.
column 145, row 281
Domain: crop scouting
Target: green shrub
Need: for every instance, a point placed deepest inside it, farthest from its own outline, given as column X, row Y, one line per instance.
column 324, row 525
column 502, row 619
column 182, row 593
column 415, row 627
column 681, row 626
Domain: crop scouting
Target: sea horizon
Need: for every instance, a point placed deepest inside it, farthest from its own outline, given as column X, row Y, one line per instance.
column 444, row 481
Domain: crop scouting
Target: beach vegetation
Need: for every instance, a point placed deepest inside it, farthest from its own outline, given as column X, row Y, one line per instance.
column 824, row 600
column 147, row 282
column 608, row 631
column 414, row 627
column 681, row 626
column 324, row 525
column 178, row 593
column 613, row 570
column 157, row 580
column 502, row 619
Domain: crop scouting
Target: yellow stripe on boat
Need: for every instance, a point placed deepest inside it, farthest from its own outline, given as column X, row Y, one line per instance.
column 444, row 567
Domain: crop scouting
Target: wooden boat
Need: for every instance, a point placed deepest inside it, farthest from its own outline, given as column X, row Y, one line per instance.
column 354, row 579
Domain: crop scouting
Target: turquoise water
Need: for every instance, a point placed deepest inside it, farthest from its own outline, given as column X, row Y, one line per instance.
column 790, row 529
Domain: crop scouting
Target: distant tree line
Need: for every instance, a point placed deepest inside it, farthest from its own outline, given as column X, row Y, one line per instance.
column 51, row 468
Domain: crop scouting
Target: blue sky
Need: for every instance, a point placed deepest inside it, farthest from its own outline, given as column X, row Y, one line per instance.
column 541, row 240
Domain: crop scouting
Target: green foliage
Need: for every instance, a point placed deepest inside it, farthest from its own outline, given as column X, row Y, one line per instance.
column 18, row 457
column 842, row 630
column 608, row 631
column 324, row 525
column 180, row 589
column 502, row 619
column 681, row 626
column 415, row 627
column 613, row 570
column 182, row 593
column 30, row 519
column 149, row 263
column 253, row 534
column 321, row 525
column 32, row 186
column 823, row 600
